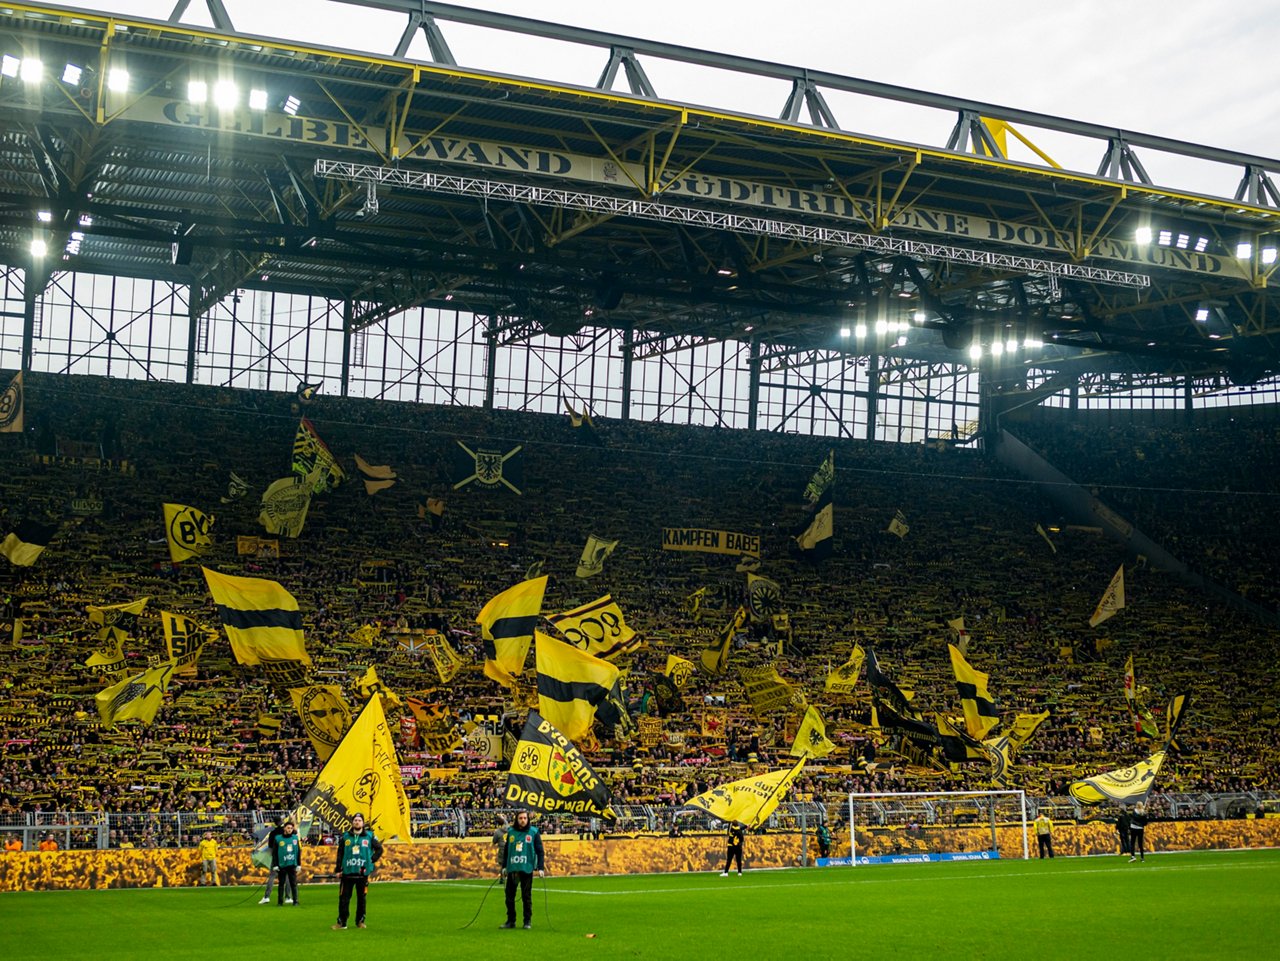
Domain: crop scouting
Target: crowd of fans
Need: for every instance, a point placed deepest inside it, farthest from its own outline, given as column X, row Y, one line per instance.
column 972, row 551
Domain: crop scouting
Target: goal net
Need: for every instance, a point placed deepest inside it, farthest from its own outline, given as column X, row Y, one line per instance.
column 904, row 828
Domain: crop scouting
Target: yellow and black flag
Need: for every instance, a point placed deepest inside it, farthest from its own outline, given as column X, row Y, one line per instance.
column 370, row 684
column 362, row 776
column 109, row 653
column 26, row 542
column 489, row 469
column 506, row 624
column 593, row 556
column 679, row 670
column 306, row 393
column 12, row 407
column 237, row 487
column 749, row 801
column 575, row 688
column 844, row 679
column 432, row 509
column 899, row 526
column 1126, row 785
column 979, row 707
column 313, row 459
column 261, row 619
column 693, row 604
column 1173, row 716
column 764, row 597
column 324, row 715
column 187, row 531
column 883, row 689
column 114, row 622
column 715, row 657
column 376, row 478
column 597, row 628
column 815, row 540
column 285, row 504
column 446, row 660
column 185, row 640
column 549, row 774
column 1112, row 599
column 137, row 697
column 811, row 739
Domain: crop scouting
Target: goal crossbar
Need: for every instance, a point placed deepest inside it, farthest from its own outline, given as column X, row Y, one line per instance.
column 1018, row 796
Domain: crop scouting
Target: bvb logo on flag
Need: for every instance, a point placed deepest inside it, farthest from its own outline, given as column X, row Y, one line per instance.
column 11, row 405
column 189, row 528
column 366, row 787
column 530, row 759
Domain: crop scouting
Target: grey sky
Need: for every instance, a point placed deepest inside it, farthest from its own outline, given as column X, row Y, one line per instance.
column 1201, row 72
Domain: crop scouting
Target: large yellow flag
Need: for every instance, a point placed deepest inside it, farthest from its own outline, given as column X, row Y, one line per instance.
column 574, row 688
column 844, row 678
column 324, row 715
column 109, row 654
column 313, row 460
column 11, row 407
column 749, row 801
column 979, row 707
column 765, row 689
column 371, row 684
column 260, row 617
column 597, row 628
column 362, row 776
column 1112, row 599
column 594, row 553
column 506, row 625
column 187, row 531
column 679, row 670
column 136, row 697
column 715, row 657
column 113, row 622
column 1126, row 785
column 285, row 504
column 811, row 739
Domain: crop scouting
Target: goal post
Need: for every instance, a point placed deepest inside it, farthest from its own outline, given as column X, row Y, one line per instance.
column 919, row 826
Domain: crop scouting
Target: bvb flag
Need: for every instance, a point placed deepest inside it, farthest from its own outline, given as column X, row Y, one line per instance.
column 447, row 661
column 593, row 554
column 844, row 678
column 679, row 670
column 185, row 640
column 764, row 597
column 575, row 688
column 136, row 697
column 362, row 776
column 899, row 526
column 187, row 531
column 979, row 707
column 815, row 540
column 285, row 504
column 27, row 542
column 12, row 407
column 811, row 740
column 597, row 628
column 324, row 715
column 1126, row 785
column 506, row 625
column 549, row 774
column 1144, row 722
column 749, row 801
column 371, row 684
column 260, row 617
column 313, row 460
column 822, row 479
column 1112, row 599
column 715, row 658
column 375, row 478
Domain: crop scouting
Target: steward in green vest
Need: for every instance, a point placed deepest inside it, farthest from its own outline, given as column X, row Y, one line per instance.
column 288, row 856
column 358, row 852
column 519, row 855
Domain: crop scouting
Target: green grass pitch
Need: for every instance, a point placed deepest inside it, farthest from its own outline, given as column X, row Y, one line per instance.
column 1200, row 905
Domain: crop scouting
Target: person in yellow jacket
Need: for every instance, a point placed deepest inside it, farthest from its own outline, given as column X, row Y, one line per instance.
column 1044, row 834
column 209, row 860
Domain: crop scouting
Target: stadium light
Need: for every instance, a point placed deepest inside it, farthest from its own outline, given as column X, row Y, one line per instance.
column 258, row 100
column 860, row 331
column 31, row 71
column 292, row 105
column 882, row 326
column 919, row 316
column 197, row 91
column 1032, row 343
column 997, row 348
column 1166, row 238
column 1202, row 314
column 1268, row 255
column 44, row 216
column 844, row 331
column 71, row 74
column 1184, row 240
column 1202, row 244
column 1142, row 235
column 1011, row 345
column 225, row 95
column 38, row 247
column 1244, row 250
column 118, row 80
column 902, row 340
column 9, row 66
column 975, row 351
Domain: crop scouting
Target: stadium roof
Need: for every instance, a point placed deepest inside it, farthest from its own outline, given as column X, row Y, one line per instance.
column 556, row 208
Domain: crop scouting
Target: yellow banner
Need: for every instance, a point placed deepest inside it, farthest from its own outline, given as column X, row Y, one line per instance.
column 709, row 541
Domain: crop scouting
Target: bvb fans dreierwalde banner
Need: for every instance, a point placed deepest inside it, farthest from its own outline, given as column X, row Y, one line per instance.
column 549, row 774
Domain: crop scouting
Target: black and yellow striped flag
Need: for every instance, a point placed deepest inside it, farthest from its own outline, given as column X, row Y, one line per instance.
column 574, row 688
column 27, row 542
column 980, row 714
column 260, row 617
column 549, row 774
column 506, row 624
column 715, row 657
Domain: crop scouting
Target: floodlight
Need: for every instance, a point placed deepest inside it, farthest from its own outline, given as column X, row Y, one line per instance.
column 1202, row 314
column 975, row 351
column 38, row 247
column 1183, row 241
column 902, row 340
column 118, row 80
column 9, row 66
column 997, row 348
column 844, row 331
column 860, row 331
column 1244, row 250
column 919, row 316
column 882, row 326
column 1166, row 238
column 291, row 105
column 1142, row 235
column 1202, row 244
column 1011, row 345
column 31, row 71
column 1268, row 255
column 197, row 91
column 44, row 216
column 225, row 95
column 257, row 100
column 71, row 74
